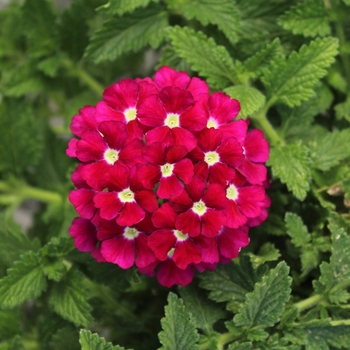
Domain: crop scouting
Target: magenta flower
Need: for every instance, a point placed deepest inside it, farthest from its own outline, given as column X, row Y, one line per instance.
column 168, row 181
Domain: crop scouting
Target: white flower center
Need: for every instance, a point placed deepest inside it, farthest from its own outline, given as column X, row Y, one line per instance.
column 110, row 156
column 199, row 208
column 130, row 233
column 231, row 192
column 167, row 169
column 211, row 158
column 212, row 123
column 180, row 236
column 130, row 113
column 172, row 120
column 126, row 195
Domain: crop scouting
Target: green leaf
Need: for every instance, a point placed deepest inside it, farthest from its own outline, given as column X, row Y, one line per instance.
column 91, row 341
column 65, row 338
column 179, row 330
column 309, row 18
column 342, row 110
column 171, row 59
column 122, row 6
column 22, row 133
column 128, row 33
column 210, row 60
column 265, row 305
column 40, row 27
column 250, row 99
column 25, row 280
column 240, row 346
column 327, row 152
column 291, row 163
column 9, row 323
column 69, row 299
column 205, row 313
column 319, row 335
column 296, row 230
column 13, row 241
column 263, row 58
column 15, row 344
column 267, row 252
column 336, row 271
column 51, row 65
column 292, row 81
column 223, row 13
column 230, row 282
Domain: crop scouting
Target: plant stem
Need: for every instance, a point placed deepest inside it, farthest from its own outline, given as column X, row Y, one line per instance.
column 262, row 122
column 77, row 71
column 309, row 302
column 23, row 191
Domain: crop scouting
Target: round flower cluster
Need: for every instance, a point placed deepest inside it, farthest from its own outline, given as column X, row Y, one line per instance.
column 167, row 180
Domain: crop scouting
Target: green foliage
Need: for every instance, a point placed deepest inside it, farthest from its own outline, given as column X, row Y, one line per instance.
column 297, row 230
column 223, row 14
column 292, row 81
column 267, row 252
column 210, row 60
column 91, row 341
column 122, row 6
column 25, row 280
column 264, row 306
column 309, row 18
column 179, row 331
column 298, row 176
column 69, row 299
column 250, row 99
column 135, row 31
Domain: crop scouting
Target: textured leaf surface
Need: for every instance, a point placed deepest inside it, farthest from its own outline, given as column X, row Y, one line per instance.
column 267, row 252
column 69, row 299
column 129, row 33
column 25, row 280
column 319, row 335
column 265, row 305
column 309, row 18
column 210, row 60
column 179, row 330
column 9, row 323
column 297, row 230
column 222, row 13
column 291, row 163
column 205, row 313
column 291, row 81
column 91, row 341
column 250, row 99
column 328, row 151
column 122, row 6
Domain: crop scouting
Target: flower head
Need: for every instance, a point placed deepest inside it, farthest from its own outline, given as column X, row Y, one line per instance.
column 167, row 179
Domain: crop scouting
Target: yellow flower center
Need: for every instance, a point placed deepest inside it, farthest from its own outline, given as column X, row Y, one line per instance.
column 172, row 120
column 212, row 123
column 171, row 253
column 211, row 158
column 126, row 195
column 130, row 114
column 231, row 192
column 199, row 208
column 130, row 233
column 110, row 156
column 167, row 169
column 180, row 236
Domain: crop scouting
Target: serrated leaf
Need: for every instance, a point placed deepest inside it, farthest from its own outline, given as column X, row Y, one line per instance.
column 250, row 99
column 22, row 133
column 257, row 335
column 267, row 252
column 122, row 6
column 41, row 27
column 65, row 338
column 205, row 313
column 263, row 58
column 291, row 81
column 223, row 13
column 309, row 257
column 69, row 299
column 327, row 152
column 170, row 58
column 337, row 270
column 291, row 164
column 9, row 323
column 240, row 346
column 210, row 60
column 319, row 335
column 25, row 280
column 91, row 341
column 50, row 65
column 265, row 305
column 309, row 18
column 179, row 330
column 296, row 229
column 128, row 33
column 13, row 241
column 342, row 110
column 230, row 282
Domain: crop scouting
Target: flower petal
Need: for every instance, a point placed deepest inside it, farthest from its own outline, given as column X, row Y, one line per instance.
column 161, row 241
column 189, row 223
column 130, row 214
column 82, row 200
column 186, row 252
column 166, row 76
column 256, row 147
column 169, row 274
column 164, row 217
column 108, row 203
column 144, row 254
column 223, row 108
column 184, row 170
column 212, row 222
column 147, row 200
column 84, row 234
column 169, row 186
column 114, row 133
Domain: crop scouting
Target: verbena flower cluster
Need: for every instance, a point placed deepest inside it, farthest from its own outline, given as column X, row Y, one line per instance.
column 167, row 180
